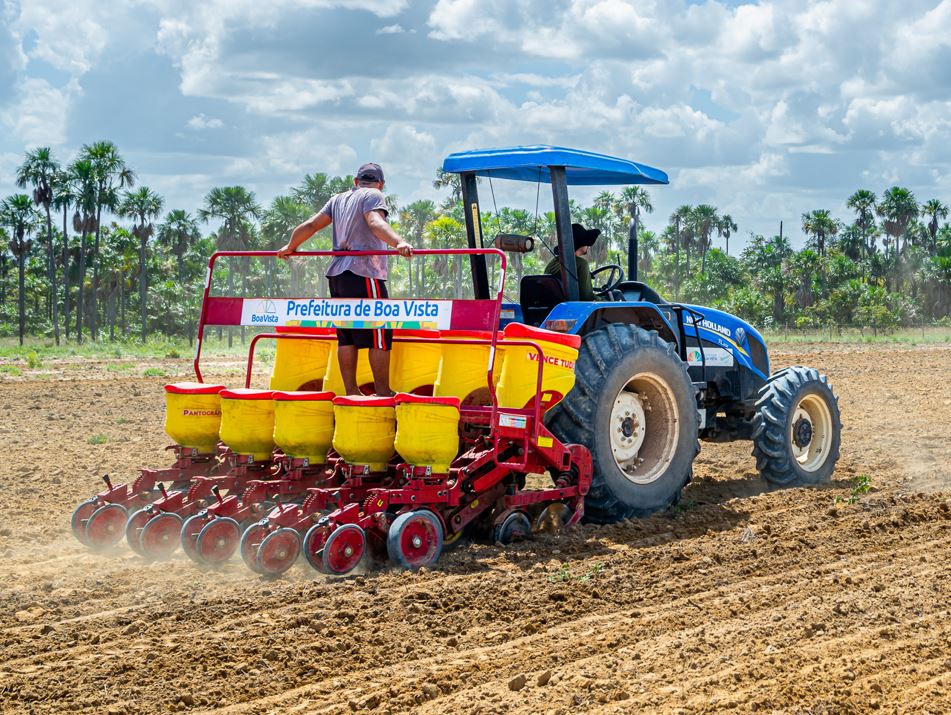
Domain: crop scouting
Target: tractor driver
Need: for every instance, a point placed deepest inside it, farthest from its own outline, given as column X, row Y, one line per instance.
column 583, row 239
column 359, row 224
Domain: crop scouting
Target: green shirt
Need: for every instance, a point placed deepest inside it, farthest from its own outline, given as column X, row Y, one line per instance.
column 585, row 291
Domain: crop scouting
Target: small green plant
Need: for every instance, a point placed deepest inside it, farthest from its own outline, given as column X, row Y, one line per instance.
column 98, row 439
column 122, row 420
column 154, row 372
column 11, row 370
column 173, row 353
column 119, row 367
column 565, row 574
column 858, row 485
column 33, row 360
column 117, row 353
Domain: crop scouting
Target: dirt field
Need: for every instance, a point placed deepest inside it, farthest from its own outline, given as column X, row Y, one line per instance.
column 742, row 599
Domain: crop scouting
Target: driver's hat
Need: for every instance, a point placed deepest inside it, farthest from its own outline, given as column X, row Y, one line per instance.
column 583, row 236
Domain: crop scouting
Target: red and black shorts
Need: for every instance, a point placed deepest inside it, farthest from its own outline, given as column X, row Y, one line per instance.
column 350, row 285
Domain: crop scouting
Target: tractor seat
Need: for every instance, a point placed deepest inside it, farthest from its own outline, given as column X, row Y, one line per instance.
column 538, row 295
column 635, row 291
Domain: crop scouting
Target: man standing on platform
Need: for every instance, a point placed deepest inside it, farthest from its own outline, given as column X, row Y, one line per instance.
column 359, row 223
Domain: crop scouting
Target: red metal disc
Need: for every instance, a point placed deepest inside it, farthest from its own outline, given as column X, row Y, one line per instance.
column 278, row 552
column 161, row 536
column 250, row 542
column 106, row 526
column 80, row 517
column 314, row 541
column 134, row 526
column 217, row 541
column 190, row 530
column 344, row 549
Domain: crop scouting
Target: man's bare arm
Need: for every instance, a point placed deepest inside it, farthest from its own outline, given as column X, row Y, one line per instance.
column 300, row 234
column 382, row 230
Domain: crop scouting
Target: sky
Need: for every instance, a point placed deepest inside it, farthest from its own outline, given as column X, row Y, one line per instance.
column 764, row 109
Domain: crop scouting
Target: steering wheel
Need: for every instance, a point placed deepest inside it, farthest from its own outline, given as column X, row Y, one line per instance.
column 613, row 279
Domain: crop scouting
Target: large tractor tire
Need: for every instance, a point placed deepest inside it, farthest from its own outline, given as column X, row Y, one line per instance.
column 634, row 406
column 796, row 428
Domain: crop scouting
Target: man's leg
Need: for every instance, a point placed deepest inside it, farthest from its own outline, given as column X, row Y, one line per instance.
column 380, row 365
column 347, row 358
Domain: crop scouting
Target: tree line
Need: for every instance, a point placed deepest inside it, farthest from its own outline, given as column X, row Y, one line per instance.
column 83, row 255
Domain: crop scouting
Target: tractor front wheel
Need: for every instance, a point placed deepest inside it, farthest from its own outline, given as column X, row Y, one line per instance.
column 796, row 428
column 634, row 406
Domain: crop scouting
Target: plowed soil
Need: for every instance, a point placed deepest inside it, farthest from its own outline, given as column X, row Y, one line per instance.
column 740, row 599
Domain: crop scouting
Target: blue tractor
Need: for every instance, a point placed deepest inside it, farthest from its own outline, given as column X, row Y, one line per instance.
column 653, row 377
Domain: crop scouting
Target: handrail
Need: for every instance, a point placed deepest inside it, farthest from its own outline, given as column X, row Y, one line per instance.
column 416, row 252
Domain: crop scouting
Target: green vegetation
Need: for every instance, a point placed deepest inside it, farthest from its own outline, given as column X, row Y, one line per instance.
column 69, row 275
column 564, row 574
column 154, row 372
column 11, row 370
column 97, row 439
column 859, row 485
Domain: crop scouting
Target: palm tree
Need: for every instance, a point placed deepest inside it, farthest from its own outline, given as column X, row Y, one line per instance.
column 413, row 219
column 936, row 211
column 636, row 199
column 704, row 220
column 453, row 182
column 820, row 225
column 111, row 174
column 18, row 214
column 83, row 178
column 64, row 196
column 39, row 171
column 863, row 203
column 726, row 228
column 898, row 208
column 234, row 206
column 177, row 233
column 314, row 191
column 142, row 205
column 680, row 220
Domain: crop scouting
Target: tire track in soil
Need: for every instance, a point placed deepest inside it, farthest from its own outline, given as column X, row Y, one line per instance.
column 741, row 599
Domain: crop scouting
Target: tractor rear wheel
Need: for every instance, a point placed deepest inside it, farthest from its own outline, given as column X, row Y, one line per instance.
column 796, row 428
column 634, row 406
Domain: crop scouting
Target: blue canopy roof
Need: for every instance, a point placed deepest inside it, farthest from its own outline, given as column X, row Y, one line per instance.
column 530, row 163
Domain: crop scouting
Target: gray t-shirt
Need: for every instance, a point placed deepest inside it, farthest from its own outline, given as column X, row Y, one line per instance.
column 352, row 233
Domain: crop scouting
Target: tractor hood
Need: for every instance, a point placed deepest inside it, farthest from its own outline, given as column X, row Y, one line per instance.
column 728, row 331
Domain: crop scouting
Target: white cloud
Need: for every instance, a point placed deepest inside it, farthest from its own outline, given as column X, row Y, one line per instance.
column 200, row 121
column 396, row 29
column 39, row 112
column 69, row 33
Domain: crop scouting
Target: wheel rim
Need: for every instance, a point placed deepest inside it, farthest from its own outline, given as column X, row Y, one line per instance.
column 644, row 428
column 250, row 541
column 133, row 529
column 415, row 539
column 810, row 432
column 80, row 516
column 217, row 541
column 161, row 536
column 190, row 531
column 278, row 552
column 344, row 549
column 106, row 526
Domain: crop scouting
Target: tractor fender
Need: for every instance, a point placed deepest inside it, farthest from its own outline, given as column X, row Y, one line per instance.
column 583, row 317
